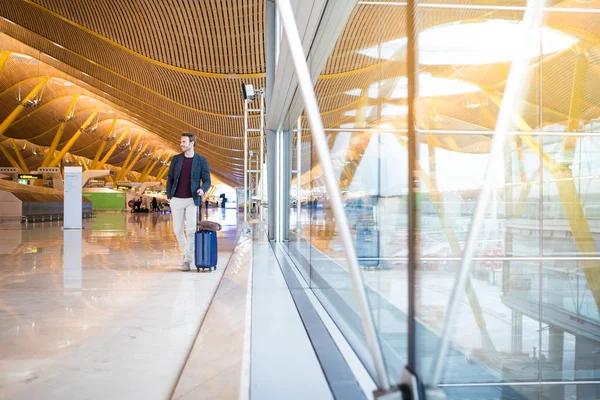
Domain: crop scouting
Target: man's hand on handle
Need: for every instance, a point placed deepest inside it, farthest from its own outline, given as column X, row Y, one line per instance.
column 200, row 192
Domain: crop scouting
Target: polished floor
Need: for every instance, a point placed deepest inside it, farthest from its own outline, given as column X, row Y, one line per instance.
column 101, row 313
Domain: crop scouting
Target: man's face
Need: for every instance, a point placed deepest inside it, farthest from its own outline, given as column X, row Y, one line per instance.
column 185, row 144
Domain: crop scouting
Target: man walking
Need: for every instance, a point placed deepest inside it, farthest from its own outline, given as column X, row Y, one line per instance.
column 186, row 171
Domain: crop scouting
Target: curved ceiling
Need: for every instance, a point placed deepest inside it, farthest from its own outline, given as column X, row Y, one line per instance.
column 167, row 66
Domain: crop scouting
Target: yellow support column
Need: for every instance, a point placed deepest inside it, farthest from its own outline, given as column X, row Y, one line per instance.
column 19, row 156
column 83, row 163
column 15, row 113
column 3, row 58
column 124, row 166
column 150, row 166
column 436, row 198
column 103, row 144
column 567, row 192
column 135, row 160
column 164, row 169
column 161, row 173
column 73, row 139
column 112, row 149
column 59, row 132
column 576, row 106
column 10, row 159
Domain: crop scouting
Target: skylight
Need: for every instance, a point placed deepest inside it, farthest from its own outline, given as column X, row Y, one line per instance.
column 488, row 42
column 429, row 86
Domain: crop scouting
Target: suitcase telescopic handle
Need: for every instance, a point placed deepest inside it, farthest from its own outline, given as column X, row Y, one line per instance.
column 198, row 218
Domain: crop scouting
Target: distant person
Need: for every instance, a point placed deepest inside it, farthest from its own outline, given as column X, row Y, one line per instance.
column 206, row 203
column 154, row 205
column 187, row 170
column 137, row 203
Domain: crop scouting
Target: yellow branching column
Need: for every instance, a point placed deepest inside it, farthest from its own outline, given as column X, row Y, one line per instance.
column 150, row 166
column 567, row 192
column 73, row 139
column 126, row 162
column 164, row 169
column 112, row 149
column 436, row 198
column 161, row 173
column 582, row 235
column 10, row 158
column 22, row 163
column 59, row 132
column 134, row 161
column 576, row 106
column 103, row 144
column 3, row 58
column 15, row 113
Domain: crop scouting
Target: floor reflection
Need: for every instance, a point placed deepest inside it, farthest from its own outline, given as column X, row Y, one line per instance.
column 103, row 312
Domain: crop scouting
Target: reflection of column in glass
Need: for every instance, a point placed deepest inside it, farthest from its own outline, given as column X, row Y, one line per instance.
column 72, row 259
column 556, row 348
column 298, row 174
column 517, row 332
column 587, row 362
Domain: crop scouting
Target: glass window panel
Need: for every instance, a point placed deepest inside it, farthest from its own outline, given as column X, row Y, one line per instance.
column 544, row 193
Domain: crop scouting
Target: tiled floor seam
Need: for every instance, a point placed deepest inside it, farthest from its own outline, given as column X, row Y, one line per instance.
column 173, row 390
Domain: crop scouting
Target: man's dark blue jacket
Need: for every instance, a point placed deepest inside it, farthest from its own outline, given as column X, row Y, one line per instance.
column 200, row 172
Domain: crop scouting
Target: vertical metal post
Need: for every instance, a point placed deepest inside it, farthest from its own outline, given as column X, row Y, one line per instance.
column 272, row 47
column 262, row 151
column 278, row 186
column 287, row 139
column 245, row 165
column 541, row 199
column 298, row 174
column 337, row 205
column 412, row 147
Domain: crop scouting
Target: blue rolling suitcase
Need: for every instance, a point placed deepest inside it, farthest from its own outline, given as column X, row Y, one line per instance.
column 367, row 245
column 206, row 249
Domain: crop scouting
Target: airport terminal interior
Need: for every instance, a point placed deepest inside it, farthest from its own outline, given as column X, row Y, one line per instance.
column 408, row 195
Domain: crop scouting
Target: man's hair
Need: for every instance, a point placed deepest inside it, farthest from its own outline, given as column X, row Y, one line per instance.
column 190, row 136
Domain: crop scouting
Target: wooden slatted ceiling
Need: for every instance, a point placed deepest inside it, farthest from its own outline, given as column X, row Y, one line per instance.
column 214, row 123
column 164, row 89
column 173, row 94
column 179, row 64
column 194, row 35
